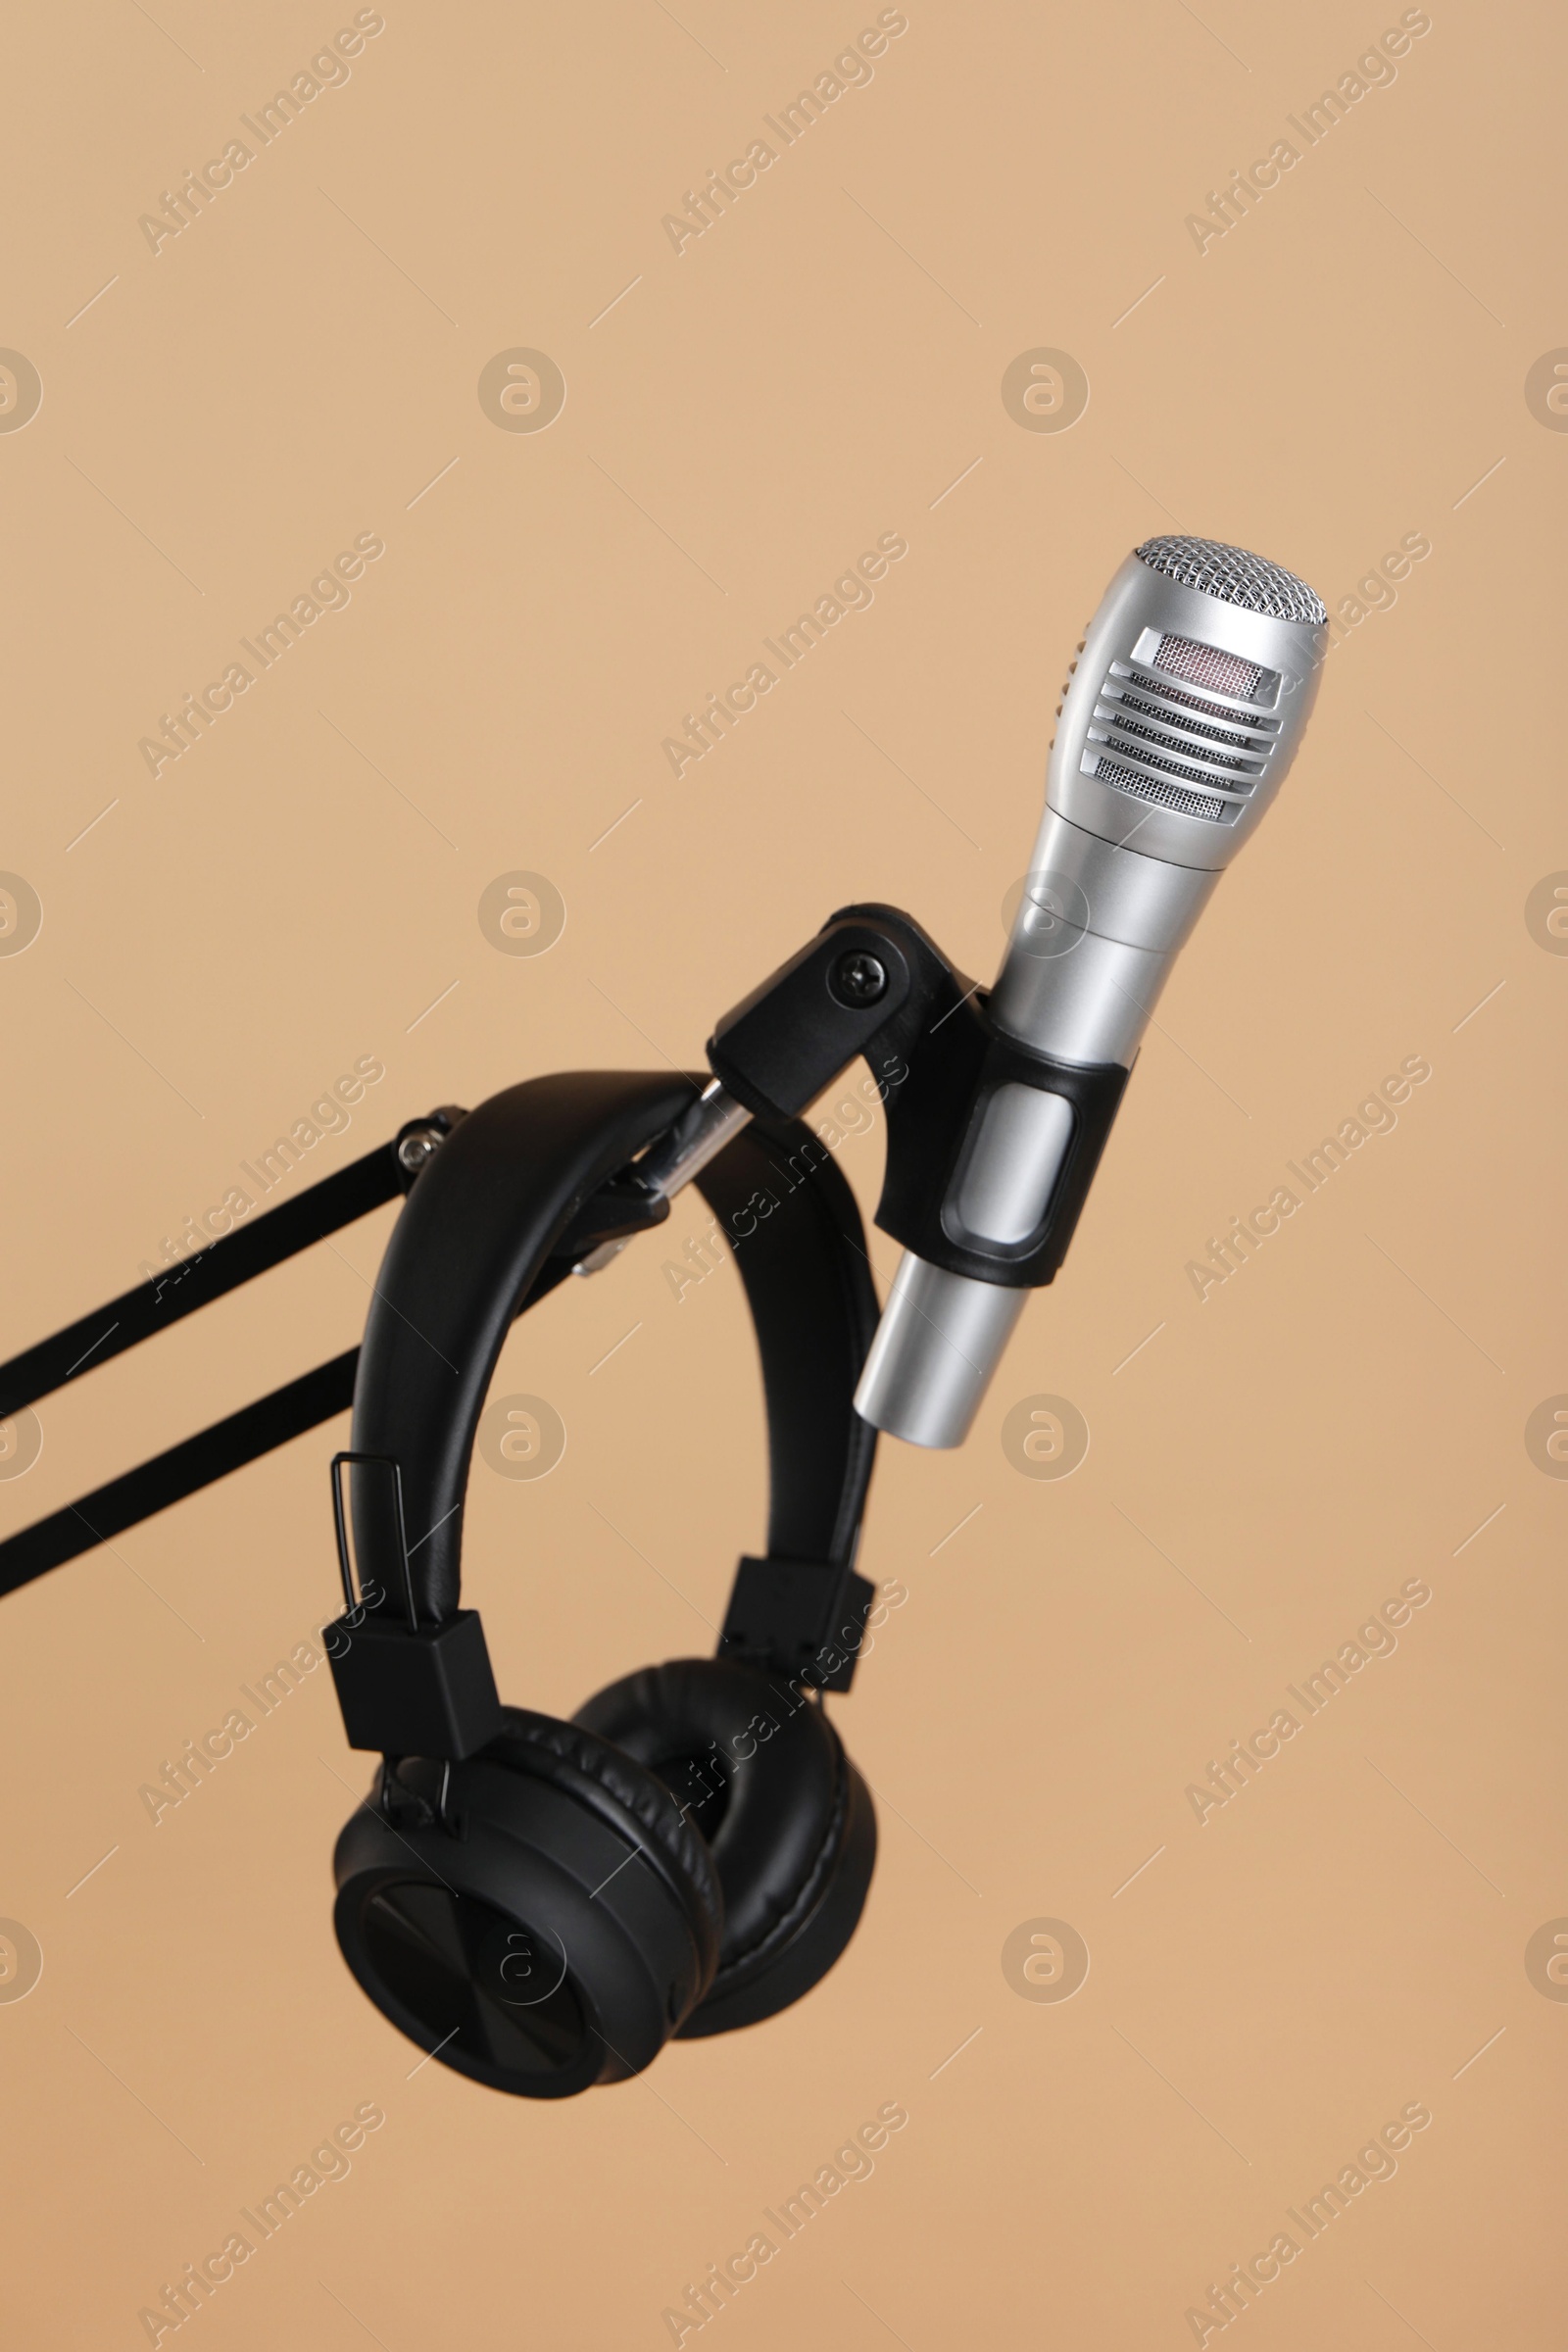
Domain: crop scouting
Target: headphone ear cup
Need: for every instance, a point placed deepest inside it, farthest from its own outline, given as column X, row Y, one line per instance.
column 540, row 1916
column 615, row 1786
column 788, row 1820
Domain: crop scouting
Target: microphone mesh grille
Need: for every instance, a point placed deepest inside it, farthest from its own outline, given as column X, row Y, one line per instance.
column 1168, row 796
column 1206, row 665
column 1234, row 578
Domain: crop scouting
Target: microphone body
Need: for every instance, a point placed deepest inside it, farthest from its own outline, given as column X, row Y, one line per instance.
column 1180, row 714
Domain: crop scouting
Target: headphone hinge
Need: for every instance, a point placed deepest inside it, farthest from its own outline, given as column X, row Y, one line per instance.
column 804, row 1619
column 426, row 1693
column 406, row 1689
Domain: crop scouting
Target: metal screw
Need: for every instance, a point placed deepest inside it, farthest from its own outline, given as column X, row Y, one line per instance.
column 415, row 1149
column 860, row 978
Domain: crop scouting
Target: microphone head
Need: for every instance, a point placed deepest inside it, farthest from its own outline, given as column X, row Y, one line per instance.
column 1187, row 701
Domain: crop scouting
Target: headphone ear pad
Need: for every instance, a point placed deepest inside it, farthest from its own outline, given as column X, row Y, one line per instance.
column 613, row 1785
column 788, row 1820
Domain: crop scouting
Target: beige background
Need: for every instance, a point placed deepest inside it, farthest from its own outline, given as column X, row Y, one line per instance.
column 295, row 368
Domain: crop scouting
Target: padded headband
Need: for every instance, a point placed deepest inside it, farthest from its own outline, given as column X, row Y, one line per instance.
column 474, row 1245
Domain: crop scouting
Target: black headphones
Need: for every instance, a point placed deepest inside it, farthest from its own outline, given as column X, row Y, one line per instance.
column 544, row 1904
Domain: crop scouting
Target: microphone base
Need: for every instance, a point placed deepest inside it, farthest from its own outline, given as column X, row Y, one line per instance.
column 940, row 1341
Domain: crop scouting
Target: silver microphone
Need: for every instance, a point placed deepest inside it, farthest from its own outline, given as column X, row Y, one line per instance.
column 1180, row 714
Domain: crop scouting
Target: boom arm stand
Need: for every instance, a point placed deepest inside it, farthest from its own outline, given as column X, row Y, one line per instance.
column 870, row 983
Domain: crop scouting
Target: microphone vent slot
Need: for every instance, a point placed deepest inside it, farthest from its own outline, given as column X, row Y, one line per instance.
column 1172, row 695
column 1173, row 733
column 1149, row 731
column 1168, row 796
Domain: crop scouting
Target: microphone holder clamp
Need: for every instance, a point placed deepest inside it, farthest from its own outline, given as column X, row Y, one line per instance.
column 874, row 983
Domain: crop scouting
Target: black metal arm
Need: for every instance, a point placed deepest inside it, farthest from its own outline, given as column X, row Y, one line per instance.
column 198, row 1462
column 256, row 1247
column 271, row 1421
